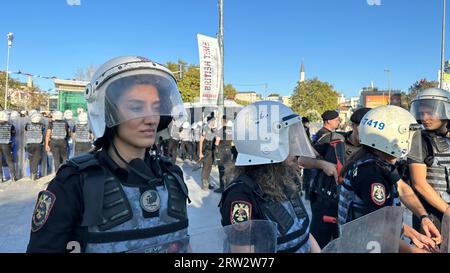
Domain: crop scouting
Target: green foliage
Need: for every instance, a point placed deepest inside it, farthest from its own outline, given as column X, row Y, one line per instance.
column 229, row 92
column 312, row 97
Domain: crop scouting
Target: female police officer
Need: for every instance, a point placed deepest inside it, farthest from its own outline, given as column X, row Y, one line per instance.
column 371, row 179
column 269, row 137
column 119, row 198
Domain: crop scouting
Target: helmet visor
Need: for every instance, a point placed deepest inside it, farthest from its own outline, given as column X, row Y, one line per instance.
column 428, row 109
column 141, row 94
column 299, row 144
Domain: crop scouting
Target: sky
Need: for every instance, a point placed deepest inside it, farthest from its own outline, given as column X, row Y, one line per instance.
column 347, row 43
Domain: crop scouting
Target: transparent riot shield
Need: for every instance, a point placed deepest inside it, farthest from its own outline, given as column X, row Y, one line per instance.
column 256, row 236
column 377, row 232
column 445, row 233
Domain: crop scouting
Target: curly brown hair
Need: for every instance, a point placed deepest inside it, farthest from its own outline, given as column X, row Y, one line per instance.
column 278, row 181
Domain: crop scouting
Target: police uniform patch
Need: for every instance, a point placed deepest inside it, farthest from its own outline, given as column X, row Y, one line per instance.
column 241, row 211
column 378, row 193
column 150, row 201
column 44, row 205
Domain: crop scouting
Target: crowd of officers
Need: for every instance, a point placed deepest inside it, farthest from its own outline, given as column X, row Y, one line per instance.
column 35, row 144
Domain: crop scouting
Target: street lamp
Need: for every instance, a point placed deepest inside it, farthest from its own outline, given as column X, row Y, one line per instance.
column 441, row 80
column 10, row 40
column 388, row 71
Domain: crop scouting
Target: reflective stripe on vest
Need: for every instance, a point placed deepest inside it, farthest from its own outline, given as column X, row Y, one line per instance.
column 5, row 133
column 33, row 134
column 83, row 133
column 59, row 130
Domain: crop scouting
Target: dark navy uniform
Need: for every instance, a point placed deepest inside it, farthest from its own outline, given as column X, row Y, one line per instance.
column 244, row 200
column 224, row 154
column 34, row 138
column 82, row 139
column 93, row 205
column 369, row 185
column 58, row 141
column 7, row 134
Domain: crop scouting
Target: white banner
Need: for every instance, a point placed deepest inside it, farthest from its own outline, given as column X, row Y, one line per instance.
column 210, row 69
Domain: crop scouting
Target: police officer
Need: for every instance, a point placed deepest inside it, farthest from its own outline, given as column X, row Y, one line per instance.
column 56, row 137
column 223, row 156
column 206, row 151
column 196, row 133
column 371, row 179
column 331, row 122
column 174, row 141
column 429, row 170
column 34, row 138
column 264, row 187
column 7, row 134
column 119, row 198
column 68, row 117
column 352, row 137
column 82, row 136
column 186, row 138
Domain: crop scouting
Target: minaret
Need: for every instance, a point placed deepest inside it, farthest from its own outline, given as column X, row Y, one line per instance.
column 302, row 73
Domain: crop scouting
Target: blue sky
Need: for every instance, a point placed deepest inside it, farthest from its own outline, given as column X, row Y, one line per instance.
column 347, row 43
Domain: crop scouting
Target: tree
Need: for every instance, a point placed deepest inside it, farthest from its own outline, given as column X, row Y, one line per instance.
column 415, row 89
column 13, row 84
column 274, row 95
column 85, row 74
column 229, row 92
column 314, row 95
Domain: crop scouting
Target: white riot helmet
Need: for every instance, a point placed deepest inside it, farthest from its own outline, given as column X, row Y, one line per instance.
column 268, row 132
column 68, row 114
column 83, row 118
column 186, row 125
column 32, row 112
column 4, row 116
column 57, row 115
column 14, row 115
column 389, row 129
column 36, row 118
column 431, row 101
column 130, row 87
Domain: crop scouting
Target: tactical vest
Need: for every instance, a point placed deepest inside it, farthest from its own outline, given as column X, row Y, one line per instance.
column 291, row 217
column 324, row 186
column 59, row 130
column 5, row 133
column 438, row 170
column 34, row 132
column 351, row 206
column 83, row 134
column 117, row 223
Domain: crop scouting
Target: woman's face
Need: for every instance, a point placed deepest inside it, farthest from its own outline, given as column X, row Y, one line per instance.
column 141, row 100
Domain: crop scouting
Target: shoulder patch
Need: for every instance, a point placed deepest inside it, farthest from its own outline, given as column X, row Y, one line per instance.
column 241, row 211
column 44, row 205
column 378, row 193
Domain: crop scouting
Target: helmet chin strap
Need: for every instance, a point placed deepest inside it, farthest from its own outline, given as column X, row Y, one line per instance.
column 144, row 176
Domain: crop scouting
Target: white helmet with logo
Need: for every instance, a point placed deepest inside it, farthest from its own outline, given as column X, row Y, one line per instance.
column 268, row 132
column 389, row 129
column 68, row 114
column 57, row 115
column 14, row 115
column 36, row 117
column 83, row 118
column 4, row 116
column 113, row 96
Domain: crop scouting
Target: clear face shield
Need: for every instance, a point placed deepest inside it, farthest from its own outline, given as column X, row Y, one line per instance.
column 299, row 144
column 142, row 94
column 427, row 109
column 415, row 151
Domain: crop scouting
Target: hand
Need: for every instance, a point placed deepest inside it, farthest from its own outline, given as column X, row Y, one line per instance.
column 329, row 169
column 47, row 148
column 419, row 240
column 200, row 156
column 430, row 230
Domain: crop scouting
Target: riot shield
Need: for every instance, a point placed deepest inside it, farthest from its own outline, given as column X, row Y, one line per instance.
column 445, row 232
column 376, row 232
column 256, row 236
